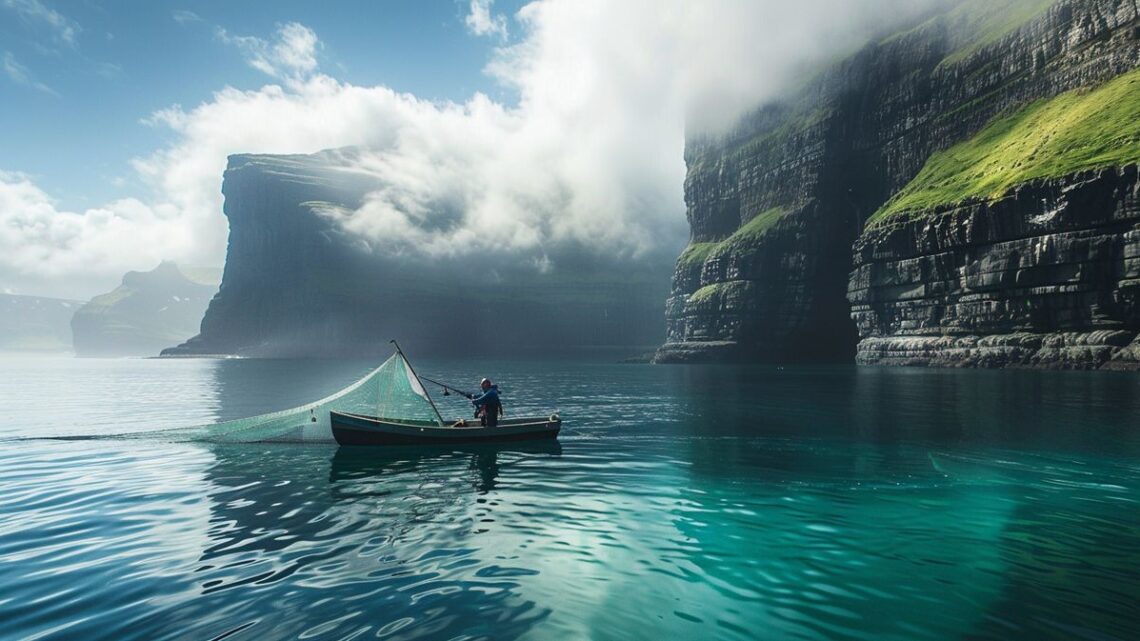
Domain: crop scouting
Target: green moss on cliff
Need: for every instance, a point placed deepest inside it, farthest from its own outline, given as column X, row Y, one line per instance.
column 695, row 254
column 979, row 23
column 751, row 232
column 1073, row 132
column 719, row 292
column 704, row 294
column 801, row 119
column 797, row 118
column 742, row 239
column 991, row 20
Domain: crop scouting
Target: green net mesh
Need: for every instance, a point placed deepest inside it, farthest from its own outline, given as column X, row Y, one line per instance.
column 390, row 391
column 401, row 395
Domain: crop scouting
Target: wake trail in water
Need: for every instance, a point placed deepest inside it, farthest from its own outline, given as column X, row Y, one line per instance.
column 307, row 423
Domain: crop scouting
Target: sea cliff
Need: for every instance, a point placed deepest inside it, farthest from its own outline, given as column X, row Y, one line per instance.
column 145, row 313
column 803, row 245
column 297, row 283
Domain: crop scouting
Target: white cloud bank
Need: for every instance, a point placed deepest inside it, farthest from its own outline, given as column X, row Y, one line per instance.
column 43, row 246
column 590, row 156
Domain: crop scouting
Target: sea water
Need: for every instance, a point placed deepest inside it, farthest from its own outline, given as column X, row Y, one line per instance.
column 704, row 502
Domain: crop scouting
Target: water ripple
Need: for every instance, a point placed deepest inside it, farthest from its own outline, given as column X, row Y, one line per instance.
column 854, row 511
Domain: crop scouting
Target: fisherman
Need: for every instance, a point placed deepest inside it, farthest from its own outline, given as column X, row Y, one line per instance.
column 488, row 407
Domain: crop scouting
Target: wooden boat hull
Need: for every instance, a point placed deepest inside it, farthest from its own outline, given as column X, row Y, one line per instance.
column 357, row 429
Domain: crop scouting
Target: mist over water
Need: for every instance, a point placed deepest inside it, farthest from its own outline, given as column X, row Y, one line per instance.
column 695, row 502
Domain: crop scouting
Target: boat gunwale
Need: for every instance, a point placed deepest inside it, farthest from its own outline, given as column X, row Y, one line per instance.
column 422, row 425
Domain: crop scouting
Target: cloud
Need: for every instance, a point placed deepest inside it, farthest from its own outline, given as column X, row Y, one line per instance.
column 63, row 28
column 587, row 165
column 21, row 75
column 481, row 22
column 291, row 57
column 43, row 245
column 458, row 178
column 183, row 16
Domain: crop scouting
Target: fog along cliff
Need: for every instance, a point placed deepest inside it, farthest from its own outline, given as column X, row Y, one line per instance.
column 296, row 283
column 945, row 196
column 35, row 325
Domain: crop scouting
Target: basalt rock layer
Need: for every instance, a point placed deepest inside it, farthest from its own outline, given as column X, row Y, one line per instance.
column 298, row 283
column 834, row 153
column 1048, row 276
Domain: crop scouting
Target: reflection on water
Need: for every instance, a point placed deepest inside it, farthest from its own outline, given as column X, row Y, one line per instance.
column 681, row 503
column 362, row 464
column 366, row 541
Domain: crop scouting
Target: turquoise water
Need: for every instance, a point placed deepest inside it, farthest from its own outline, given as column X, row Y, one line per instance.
column 679, row 503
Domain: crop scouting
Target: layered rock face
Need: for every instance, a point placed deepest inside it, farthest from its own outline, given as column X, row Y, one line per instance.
column 296, row 283
column 147, row 312
column 832, row 155
column 1048, row 276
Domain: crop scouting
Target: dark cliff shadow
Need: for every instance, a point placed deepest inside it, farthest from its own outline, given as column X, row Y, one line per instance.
column 1022, row 409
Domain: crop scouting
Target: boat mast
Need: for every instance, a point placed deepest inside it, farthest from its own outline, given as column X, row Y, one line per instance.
column 413, row 371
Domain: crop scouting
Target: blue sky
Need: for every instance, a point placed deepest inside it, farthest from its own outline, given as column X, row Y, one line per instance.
column 79, row 77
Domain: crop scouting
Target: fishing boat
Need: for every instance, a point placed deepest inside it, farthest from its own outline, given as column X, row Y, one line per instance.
column 354, row 429
column 407, row 415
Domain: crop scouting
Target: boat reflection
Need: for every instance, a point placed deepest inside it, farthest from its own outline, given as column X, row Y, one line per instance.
column 319, row 528
column 486, row 461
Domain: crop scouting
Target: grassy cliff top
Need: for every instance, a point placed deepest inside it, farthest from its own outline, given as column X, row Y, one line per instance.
column 749, row 232
column 696, row 253
column 988, row 21
column 718, row 293
column 979, row 23
column 1076, row 131
column 975, row 24
column 743, row 238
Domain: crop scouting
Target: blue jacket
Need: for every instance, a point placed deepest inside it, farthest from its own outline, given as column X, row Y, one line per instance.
column 490, row 397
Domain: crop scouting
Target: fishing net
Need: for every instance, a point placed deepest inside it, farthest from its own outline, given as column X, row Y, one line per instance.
column 401, row 394
column 391, row 391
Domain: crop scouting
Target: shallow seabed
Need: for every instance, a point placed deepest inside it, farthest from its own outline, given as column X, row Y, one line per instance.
column 680, row 503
